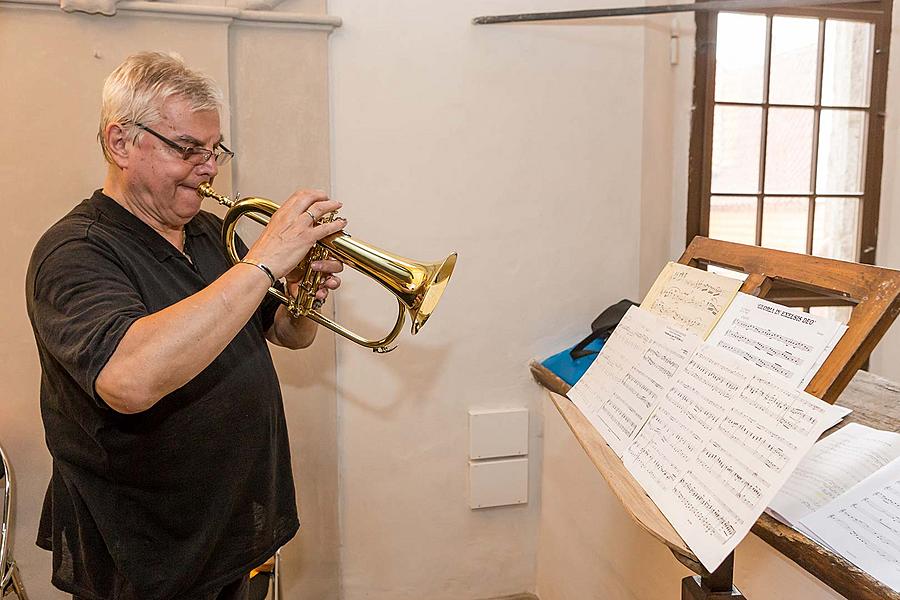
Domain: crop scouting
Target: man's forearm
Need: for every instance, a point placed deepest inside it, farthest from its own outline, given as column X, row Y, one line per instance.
column 161, row 352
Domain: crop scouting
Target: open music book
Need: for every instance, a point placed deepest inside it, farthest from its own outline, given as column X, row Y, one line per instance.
column 863, row 524
column 710, row 429
column 831, row 498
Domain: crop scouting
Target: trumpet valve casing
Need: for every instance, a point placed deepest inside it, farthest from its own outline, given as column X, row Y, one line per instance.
column 305, row 300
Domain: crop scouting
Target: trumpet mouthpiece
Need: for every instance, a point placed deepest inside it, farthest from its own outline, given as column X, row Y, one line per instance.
column 205, row 190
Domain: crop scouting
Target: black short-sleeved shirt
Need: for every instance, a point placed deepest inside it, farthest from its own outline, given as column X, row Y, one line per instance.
column 173, row 502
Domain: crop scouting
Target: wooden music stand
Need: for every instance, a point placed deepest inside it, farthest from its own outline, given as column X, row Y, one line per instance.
column 792, row 280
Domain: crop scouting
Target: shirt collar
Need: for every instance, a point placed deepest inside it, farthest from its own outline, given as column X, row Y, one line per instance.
column 157, row 244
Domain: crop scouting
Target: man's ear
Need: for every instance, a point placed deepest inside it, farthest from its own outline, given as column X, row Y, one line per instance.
column 117, row 143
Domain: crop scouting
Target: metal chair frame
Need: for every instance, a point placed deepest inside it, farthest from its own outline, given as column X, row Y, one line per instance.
column 10, row 580
column 271, row 569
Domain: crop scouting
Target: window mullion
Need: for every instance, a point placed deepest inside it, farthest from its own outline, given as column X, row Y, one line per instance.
column 813, row 172
column 764, row 128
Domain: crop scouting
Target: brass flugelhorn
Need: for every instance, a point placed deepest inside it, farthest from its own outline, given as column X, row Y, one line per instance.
column 417, row 285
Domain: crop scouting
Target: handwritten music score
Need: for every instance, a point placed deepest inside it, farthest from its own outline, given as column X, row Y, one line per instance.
column 787, row 343
column 690, row 298
column 863, row 525
column 715, row 440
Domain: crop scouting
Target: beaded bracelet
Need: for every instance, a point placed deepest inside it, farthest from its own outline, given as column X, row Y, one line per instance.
column 262, row 268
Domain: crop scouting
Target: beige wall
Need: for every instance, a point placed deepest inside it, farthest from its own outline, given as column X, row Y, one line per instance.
column 53, row 66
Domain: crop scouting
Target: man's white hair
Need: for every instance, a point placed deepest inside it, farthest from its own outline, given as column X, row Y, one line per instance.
column 137, row 89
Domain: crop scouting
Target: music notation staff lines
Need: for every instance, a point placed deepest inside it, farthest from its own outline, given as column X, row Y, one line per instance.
column 741, row 338
column 767, row 446
column 882, row 524
column 826, row 486
column 665, row 447
column 676, row 297
column 656, row 464
column 867, row 531
column 674, row 313
column 635, row 338
column 714, row 377
column 702, row 506
column 620, row 416
column 641, row 388
column 786, row 408
column 701, row 415
column 741, row 481
column 759, row 361
column 801, row 418
column 767, row 333
column 661, row 361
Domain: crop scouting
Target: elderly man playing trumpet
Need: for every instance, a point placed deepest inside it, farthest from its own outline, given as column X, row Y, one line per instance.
column 163, row 414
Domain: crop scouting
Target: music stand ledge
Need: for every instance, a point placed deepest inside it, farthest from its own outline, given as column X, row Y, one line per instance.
column 874, row 293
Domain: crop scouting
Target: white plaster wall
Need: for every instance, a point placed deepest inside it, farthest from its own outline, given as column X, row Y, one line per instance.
column 887, row 354
column 681, row 102
column 53, row 67
column 519, row 147
column 658, row 148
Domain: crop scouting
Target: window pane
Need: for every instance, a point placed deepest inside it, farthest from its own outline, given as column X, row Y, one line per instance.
column 841, row 314
column 847, row 73
column 740, row 56
column 789, row 142
column 735, row 156
column 733, row 219
column 795, row 44
column 784, row 223
column 836, row 228
column 842, row 137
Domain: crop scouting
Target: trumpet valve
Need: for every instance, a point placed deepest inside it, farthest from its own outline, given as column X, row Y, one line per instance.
column 305, row 300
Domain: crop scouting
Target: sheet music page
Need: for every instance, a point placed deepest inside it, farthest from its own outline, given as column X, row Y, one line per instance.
column 833, row 466
column 838, row 413
column 863, row 525
column 690, row 298
column 775, row 338
column 822, row 357
column 624, row 382
column 722, row 441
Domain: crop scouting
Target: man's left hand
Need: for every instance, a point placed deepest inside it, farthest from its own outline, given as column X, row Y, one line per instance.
column 329, row 280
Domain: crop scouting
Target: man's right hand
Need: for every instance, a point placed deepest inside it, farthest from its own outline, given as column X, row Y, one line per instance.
column 292, row 232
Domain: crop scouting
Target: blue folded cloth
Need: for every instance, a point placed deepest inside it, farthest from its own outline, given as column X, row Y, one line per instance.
column 568, row 369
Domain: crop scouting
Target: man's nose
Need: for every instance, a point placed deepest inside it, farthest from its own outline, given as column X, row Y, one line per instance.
column 209, row 168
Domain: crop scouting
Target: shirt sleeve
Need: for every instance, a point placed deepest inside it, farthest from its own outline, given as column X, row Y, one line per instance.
column 83, row 303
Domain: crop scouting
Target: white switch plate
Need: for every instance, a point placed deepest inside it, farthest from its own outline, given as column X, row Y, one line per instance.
column 498, row 433
column 498, row 482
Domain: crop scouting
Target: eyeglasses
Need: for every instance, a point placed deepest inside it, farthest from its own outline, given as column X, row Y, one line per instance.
column 194, row 154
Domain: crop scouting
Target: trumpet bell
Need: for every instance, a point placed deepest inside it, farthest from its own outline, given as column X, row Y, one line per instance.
column 439, row 276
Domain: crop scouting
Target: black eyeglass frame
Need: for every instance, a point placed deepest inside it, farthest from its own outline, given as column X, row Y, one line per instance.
column 222, row 156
